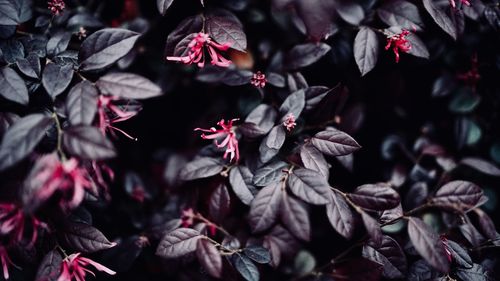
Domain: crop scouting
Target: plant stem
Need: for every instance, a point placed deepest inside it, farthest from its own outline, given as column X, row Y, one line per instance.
column 59, row 136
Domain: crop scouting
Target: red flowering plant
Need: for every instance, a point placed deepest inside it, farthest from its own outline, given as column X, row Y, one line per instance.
column 278, row 140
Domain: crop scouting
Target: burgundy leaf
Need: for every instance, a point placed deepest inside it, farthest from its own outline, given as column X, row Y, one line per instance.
column 22, row 137
column 418, row 47
column 209, row 257
column 318, row 16
column 178, row 243
column 240, row 186
column 334, row 142
column 376, row 197
column 471, row 234
column 359, row 269
column 199, row 168
column 56, row 78
column 269, row 173
column 306, row 54
column 366, row 49
column 81, row 103
column 482, row 166
column 351, row 12
column 13, row 86
column 272, row 143
column 295, row 217
column 459, row 254
column 391, row 214
column 105, row 47
column 441, row 18
column 250, row 130
column 128, row 86
column 286, row 242
column 264, row 116
column 340, row 215
column 314, row 160
column 85, row 238
column 309, row 186
column 428, row 244
column 88, row 143
column 486, row 224
column 50, row 267
column 274, row 250
column 264, row 209
column 373, row 228
column 390, row 255
column 461, row 195
column 401, row 13
column 258, row 254
column 163, row 6
column 245, row 267
column 219, row 203
column 227, row 30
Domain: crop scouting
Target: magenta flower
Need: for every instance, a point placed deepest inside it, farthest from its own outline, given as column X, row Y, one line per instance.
column 289, row 122
column 110, row 113
column 399, row 43
column 4, row 258
column 258, row 80
column 12, row 223
column 196, row 53
column 73, row 267
column 444, row 240
column 462, row 2
column 227, row 134
column 187, row 217
column 56, row 6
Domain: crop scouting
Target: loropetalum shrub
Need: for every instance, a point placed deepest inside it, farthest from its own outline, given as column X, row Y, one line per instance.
column 275, row 193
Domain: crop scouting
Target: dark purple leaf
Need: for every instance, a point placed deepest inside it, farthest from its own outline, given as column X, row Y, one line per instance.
column 209, row 257
column 201, row 168
column 269, row 173
column 377, row 197
column 390, row 255
column 474, row 12
column 226, row 30
column 245, row 267
column 366, row 49
column 56, row 78
column 428, row 244
column 418, row 47
column 459, row 254
column 258, row 254
column 486, row 224
column 50, row 267
column 306, row 54
column 272, row 143
column 85, row 19
column 237, row 77
column 314, row 160
column 314, row 95
column 163, row 6
column 264, row 209
column 178, row 243
column 286, row 242
column 401, row 13
column 391, row 214
column 293, row 104
column 30, row 66
column 318, row 16
column 189, row 25
column 251, row 130
column 351, row 12
column 359, row 269
column 471, row 234
column 81, row 103
column 274, row 250
column 13, row 86
column 58, row 43
column 85, row 238
column 476, row 273
column 482, row 166
column 340, row 215
column 219, row 203
column 373, row 228
column 334, row 142
column 240, row 186
column 309, row 186
column 461, row 195
column 128, row 86
column 15, row 12
column 295, row 217
column 441, row 18
column 105, row 47
column 22, row 137
column 421, row 270
column 88, row 143
column 264, row 116
column 275, row 79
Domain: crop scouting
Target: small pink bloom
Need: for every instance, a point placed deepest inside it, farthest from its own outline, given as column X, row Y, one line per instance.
column 74, row 266
column 227, row 134
column 56, row 6
column 196, row 53
column 4, row 258
column 462, row 2
column 259, row 80
column 187, row 217
column 446, row 247
column 399, row 42
column 110, row 113
column 289, row 122
column 82, row 33
column 13, row 220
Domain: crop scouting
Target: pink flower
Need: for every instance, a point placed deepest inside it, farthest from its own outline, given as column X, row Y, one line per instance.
column 12, row 223
column 187, row 217
column 289, row 122
column 56, row 6
column 82, row 33
column 399, row 43
column 73, row 267
column 462, row 2
column 259, row 80
column 110, row 113
column 196, row 53
column 446, row 248
column 4, row 258
column 227, row 134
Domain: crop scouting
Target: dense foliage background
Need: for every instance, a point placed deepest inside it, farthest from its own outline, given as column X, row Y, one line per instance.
column 368, row 149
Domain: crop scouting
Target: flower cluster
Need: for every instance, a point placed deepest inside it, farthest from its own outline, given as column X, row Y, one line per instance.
column 56, row 6
column 74, row 266
column 110, row 113
column 196, row 52
column 228, row 135
column 289, row 122
column 398, row 42
column 258, row 80
column 13, row 220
